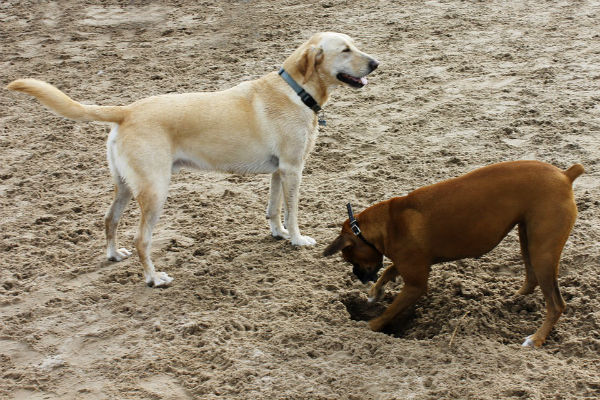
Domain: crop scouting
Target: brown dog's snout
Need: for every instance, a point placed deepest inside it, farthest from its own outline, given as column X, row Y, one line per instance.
column 363, row 275
column 373, row 64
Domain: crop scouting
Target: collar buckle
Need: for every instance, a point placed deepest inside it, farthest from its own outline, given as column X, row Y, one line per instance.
column 354, row 227
column 306, row 98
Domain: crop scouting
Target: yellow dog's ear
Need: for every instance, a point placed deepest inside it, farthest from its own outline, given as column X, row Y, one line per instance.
column 340, row 243
column 309, row 61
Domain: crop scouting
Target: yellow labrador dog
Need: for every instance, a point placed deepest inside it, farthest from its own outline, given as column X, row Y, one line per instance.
column 267, row 125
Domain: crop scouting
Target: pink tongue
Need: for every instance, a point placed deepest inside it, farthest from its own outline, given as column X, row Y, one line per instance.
column 364, row 80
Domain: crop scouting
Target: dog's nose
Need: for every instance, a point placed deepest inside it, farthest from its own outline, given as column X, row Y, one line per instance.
column 373, row 64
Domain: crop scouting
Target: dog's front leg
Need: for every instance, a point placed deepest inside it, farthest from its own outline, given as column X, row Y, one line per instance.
column 415, row 285
column 274, row 208
column 291, row 175
column 376, row 290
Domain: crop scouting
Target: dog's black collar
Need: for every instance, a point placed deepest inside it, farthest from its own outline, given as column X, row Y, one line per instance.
column 355, row 228
column 303, row 94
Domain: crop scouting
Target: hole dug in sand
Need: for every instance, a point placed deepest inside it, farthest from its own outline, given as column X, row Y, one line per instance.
column 360, row 309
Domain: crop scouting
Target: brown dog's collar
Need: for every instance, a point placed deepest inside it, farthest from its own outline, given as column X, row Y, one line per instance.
column 303, row 94
column 356, row 229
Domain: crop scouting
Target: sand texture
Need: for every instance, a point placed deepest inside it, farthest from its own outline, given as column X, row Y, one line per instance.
column 461, row 84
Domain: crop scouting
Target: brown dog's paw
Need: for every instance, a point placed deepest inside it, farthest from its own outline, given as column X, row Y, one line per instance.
column 376, row 325
column 531, row 341
column 375, row 294
column 525, row 289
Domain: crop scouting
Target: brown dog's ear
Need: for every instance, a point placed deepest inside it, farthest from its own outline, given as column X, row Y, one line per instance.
column 340, row 243
column 309, row 61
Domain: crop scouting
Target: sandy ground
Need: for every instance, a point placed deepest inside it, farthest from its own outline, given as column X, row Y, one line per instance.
column 461, row 84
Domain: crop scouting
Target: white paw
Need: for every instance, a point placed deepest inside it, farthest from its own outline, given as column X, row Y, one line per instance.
column 280, row 233
column 160, row 279
column 118, row 255
column 303, row 241
column 374, row 294
column 528, row 342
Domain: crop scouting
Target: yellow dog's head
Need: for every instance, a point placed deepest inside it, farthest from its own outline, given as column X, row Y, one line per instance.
column 329, row 59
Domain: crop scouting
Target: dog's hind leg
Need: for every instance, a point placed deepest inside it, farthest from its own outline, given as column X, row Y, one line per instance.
column 151, row 199
column 546, row 269
column 122, row 197
column 530, row 279
column 111, row 221
column 146, row 165
column 274, row 208
column 547, row 235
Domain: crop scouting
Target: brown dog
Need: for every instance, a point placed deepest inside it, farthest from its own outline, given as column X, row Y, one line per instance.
column 466, row 217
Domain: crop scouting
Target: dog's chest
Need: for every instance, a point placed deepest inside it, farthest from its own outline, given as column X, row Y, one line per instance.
column 310, row 141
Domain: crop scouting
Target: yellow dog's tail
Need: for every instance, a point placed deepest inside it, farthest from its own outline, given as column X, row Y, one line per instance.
column 573, row 172
column 63, row 105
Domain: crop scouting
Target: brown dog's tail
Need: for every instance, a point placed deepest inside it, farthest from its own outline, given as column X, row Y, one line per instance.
column 573, row 172
column 63, row 105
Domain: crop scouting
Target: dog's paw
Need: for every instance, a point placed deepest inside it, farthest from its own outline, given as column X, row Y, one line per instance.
column 118, row 255
column 526, row 289
column 376, row 325
column 374, row 294
column 303, row 241
column 281, row 233
column 531, row 342
column 528, row 342
column 160, row 279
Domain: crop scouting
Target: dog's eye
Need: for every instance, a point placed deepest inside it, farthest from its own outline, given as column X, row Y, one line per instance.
column 346, row 50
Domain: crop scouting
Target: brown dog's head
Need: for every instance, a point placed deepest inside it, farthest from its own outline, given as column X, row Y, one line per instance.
column 366, row 261
column 330, row 59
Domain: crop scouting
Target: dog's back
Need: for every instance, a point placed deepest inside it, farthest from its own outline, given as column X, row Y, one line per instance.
column 469, row 215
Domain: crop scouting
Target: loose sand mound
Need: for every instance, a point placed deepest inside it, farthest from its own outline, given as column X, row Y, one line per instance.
column 462, row 84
